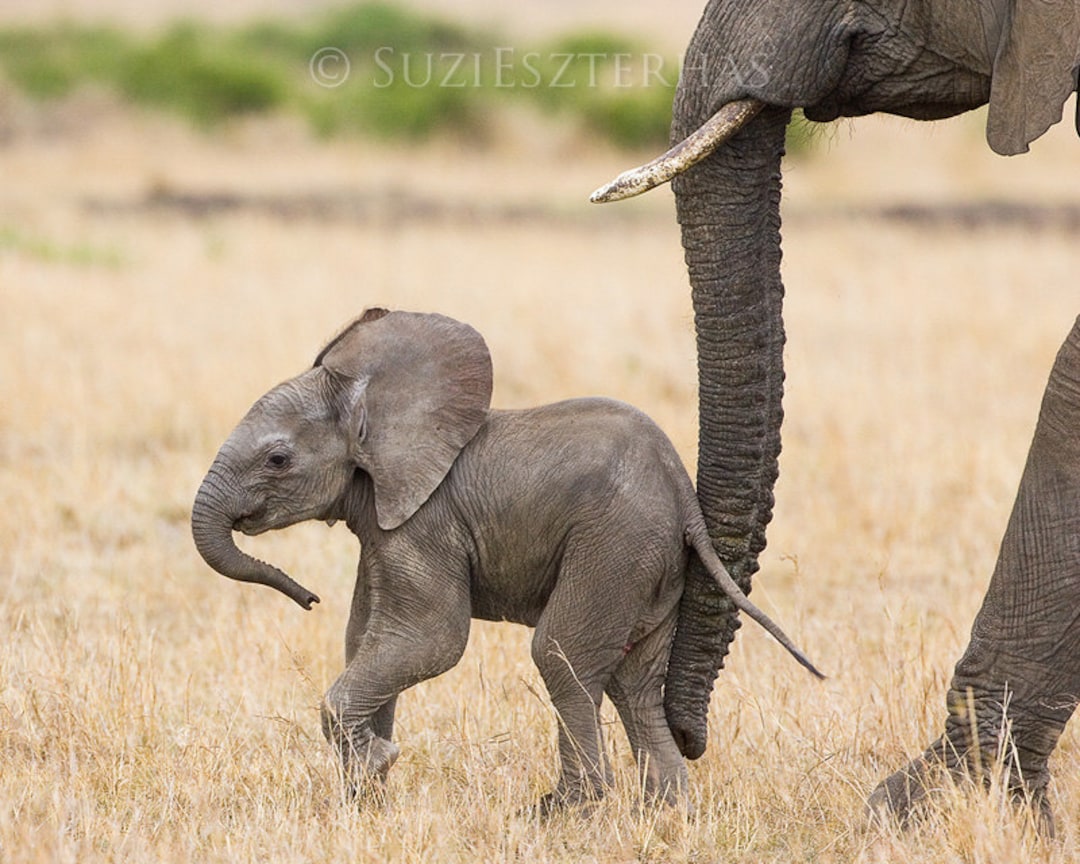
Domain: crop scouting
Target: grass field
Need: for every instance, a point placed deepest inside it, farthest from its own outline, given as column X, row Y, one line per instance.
column 154, row 281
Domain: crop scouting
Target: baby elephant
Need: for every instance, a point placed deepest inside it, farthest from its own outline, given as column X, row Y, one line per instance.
column 576, row 518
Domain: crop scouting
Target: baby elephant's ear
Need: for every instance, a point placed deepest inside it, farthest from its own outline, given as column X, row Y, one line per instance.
column 425, row 382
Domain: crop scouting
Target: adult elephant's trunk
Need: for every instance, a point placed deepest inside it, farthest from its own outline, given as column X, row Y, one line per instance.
column 729, row 209
column 218, row 504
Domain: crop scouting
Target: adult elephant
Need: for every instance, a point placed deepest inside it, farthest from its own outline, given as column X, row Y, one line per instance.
column 749, row 64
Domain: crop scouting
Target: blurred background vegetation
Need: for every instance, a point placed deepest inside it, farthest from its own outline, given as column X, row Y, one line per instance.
column 391, row 73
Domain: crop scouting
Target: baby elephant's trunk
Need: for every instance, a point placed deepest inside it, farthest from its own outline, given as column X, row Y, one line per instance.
column 212, row 517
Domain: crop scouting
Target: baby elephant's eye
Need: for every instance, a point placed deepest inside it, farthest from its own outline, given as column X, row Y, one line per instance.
column 277, row 460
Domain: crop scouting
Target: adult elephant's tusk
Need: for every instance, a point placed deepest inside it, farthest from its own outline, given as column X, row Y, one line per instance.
column 691, row 150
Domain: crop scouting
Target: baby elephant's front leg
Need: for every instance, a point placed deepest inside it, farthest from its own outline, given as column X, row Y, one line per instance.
column 392, row 654
column 365, row 757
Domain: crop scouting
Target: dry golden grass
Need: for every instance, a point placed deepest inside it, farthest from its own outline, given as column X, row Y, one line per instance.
column 153, row 711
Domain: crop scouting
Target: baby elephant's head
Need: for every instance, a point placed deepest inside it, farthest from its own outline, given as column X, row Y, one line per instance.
column 396, row 395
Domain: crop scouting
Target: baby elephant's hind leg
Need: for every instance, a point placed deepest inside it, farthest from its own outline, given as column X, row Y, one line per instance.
column 575, row 680
column 607, row 627
column 636, row 690
column 578, row 644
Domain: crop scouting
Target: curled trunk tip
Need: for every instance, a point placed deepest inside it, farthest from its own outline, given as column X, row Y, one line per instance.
column 211, row 529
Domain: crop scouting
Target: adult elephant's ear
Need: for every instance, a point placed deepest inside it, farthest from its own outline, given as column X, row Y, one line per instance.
column 1034, row 72
column 416, row 389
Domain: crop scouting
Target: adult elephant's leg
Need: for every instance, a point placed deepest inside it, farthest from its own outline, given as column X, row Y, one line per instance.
column 1018, row 682
column 729, row 210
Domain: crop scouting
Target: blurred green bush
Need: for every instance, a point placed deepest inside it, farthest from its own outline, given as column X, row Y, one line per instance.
column 389, row 72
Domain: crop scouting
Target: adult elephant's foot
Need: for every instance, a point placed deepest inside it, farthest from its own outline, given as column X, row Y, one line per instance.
column 904, row 794
column 1018, row 681
column 897, row 797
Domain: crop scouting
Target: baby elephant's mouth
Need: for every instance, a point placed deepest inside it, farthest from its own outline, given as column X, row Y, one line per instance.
column 252, row 523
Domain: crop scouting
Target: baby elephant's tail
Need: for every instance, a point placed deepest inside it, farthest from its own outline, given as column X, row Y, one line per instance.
column 699, row 542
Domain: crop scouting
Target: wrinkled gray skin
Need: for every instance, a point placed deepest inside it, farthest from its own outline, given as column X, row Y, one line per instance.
column 1023, row 660
column 924, row 59
column 576, row 518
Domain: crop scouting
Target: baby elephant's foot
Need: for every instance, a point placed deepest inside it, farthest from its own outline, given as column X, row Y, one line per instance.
column 371, row 759
column 365, row 757
column 365, row 768
column 580, row 800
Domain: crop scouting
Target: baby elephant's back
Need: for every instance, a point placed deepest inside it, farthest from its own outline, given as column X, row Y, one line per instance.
column 593, row 459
